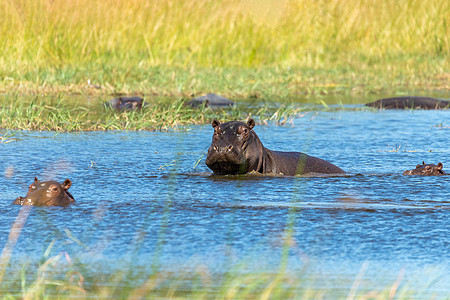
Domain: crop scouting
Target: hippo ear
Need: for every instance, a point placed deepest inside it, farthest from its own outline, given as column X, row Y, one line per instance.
column 66, row 184
column 36, row 180
column 440, row 166
column 251, row 123
column 423, row 163
column 215, row 123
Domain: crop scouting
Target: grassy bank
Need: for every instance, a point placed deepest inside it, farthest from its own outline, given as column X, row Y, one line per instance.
column 58, row 113
column 236, row 48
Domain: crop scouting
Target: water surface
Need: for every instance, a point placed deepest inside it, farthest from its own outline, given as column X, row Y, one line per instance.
column 142, row 201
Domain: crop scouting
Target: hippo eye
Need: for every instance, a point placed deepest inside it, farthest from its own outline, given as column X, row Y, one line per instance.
column 33, row 187
column 54, row 189
column 242, row 130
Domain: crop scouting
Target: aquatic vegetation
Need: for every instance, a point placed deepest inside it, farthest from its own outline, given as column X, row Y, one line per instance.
column 231, row 227
column 268, row 50
column 63, row 277
column 43, row 114
column 6, row 137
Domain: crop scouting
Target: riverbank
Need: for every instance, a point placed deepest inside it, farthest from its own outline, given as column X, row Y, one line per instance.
column 234, row 48
column 68, row 113
column 281, row 83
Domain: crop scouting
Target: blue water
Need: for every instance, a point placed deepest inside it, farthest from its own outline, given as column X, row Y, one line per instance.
column 143, row 201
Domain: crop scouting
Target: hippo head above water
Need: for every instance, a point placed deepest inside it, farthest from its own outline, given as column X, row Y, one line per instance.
column 47, row 193
column 426, row 170
column 125, row 103
column 226, row 154
column 236, row 149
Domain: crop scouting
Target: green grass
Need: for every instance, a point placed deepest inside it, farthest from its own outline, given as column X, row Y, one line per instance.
column 235, row 48
column 284, row 51
column 62, row 277
column 58, row 114
column 273, row 50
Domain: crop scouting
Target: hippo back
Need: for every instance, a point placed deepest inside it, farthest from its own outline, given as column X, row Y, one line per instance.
column 409, row 102
column 292, row 163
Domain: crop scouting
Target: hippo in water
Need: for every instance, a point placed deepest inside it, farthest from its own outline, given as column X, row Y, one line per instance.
column 409, row 102
column 236, row 149
column 47, row 193
column 426, row 170
column 210, row 100
column 125, row 103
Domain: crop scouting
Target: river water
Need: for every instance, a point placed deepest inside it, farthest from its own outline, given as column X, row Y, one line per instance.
column 142, row 200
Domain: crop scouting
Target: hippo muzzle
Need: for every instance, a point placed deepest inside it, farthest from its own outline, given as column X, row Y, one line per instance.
column 226, row 155
column 225, row 159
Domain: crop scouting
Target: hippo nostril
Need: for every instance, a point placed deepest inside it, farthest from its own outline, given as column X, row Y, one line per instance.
column 230, row 148
column 216, row 148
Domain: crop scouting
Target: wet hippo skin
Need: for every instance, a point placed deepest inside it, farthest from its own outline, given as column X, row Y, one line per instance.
column 210, row 100
column 125, row 103
column 410, row 102
column 426, row 170
column 236, row 149
column 47, row 193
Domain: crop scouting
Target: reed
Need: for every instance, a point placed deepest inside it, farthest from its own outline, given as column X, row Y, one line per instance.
column 62, row 277
column 49, row 114
column 180, row 47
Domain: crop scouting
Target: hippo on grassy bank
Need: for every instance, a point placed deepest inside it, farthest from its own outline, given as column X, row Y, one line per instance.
column 125, row 103
column 412, row 102
column 47, row 193
column 210, row 100
column 236, row 149
column 426, row 170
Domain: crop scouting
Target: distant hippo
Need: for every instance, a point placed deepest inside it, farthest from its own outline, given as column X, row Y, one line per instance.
column 236, row 149
column 125, row 103
column 426, row 170
column 210, row 100
column 47, row 193
column 410, row 102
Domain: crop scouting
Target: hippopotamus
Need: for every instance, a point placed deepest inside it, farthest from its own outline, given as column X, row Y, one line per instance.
column 426, row 170
column 47, row 193
column 410, row 102
column 236, row 149
column 125, row 103
column 210, row 100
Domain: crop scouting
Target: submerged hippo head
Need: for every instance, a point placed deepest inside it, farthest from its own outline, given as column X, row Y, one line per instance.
column 426, row 170
column 47, row 193
column 125, row 103
column 234, row 148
